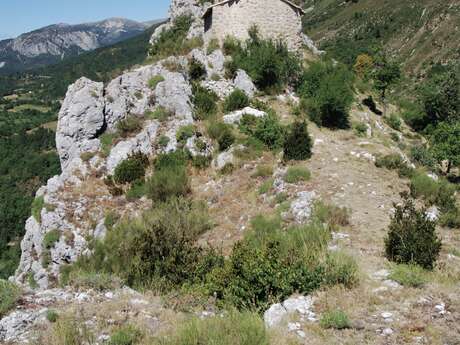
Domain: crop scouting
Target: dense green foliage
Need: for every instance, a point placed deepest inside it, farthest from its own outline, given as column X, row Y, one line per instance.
column 445, row 144
column 297, row 174
column 297, row 144
column 326, row 90
column 9, row 295
column 235, row 101
column 269, row 64
column 205, row 103
column 412, row 237
column 131, row 169
column 335, row 319
column 27, row 160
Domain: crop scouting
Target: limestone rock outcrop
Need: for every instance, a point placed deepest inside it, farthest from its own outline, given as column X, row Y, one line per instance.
column 80, row 120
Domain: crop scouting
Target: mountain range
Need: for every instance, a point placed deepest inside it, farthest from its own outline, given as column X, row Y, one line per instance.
column 54, row 43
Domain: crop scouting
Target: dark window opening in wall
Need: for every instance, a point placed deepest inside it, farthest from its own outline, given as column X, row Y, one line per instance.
column 208, row 21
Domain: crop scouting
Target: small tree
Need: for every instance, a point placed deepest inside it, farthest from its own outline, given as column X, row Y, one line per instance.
column 297, row 144
column 412, row 236
column 386, row 74
column 445, row 144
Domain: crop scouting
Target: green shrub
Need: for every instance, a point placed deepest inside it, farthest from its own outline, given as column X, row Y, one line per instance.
column 340, row 269
column 422, row 156
column 336, row 319
column 270, row 131
column 184, row 133
column 232, row 329
column 89, row 279
column 137, row 190
column 205, row 103
column 201, row 161
column 266, row 186
column 52, row 315
column 9, row 296
column 126, row 335
column 263, row 171
column 270, row 64
column 111, row 218
column 269, row 265
column 213, row 45
column 170, row 178
column 69, row 331
column 172, row 41
column 235, row 101
column 296, row 174
column 412, row 237
column 107, row 140
column 154, row 81
column 451, row 219
column 297, row 144
column 87, row 156
column 227, row 169
column 392, row 161
column 409, row 275
column 163, row 141
column 393, row 121
column 360, row 129
column 231, row 46
column 50, row 239
column 223, row 133
column 131, row 169
column 196, row 69
column 161, row 114
column 128, row 126
column 327, row 94
column 332, row 215
column 37, row 206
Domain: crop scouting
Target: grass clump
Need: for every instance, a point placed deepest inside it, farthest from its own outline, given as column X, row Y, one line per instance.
column 160, row 113
column 236, row 328
column 336, row 319
column 196, row 70
column 223, row 133
column 69, row 331
column 266, row 186
column 412, row 237
column 184, row 133
column 340, row 269
column 409, row 275
column 332, row 215
column 90, row 279
column 52, row 315
column 263, row 170
column 394, row 122
column 170, row 177
column 126, row 335
column 37, row 206
column 205, row 103
column 154, row 81
column 235, row 101
column 131, row 169
column 51, row 238
column 296, row 174
column 128, row 126
column 9, row 295
column 107, row 140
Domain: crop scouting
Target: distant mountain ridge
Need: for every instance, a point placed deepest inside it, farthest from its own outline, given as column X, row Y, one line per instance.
column 54, row 43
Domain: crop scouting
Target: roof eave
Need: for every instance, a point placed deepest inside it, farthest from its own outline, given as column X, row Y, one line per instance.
column 300, row 9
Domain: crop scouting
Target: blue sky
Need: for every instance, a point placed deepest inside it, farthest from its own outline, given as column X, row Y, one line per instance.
column 19, row 16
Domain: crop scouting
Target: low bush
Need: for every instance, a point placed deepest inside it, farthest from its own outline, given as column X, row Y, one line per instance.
column 340, row 269
column 336, row 319
column 37, row 206
column 266, row 186
column 422, row 156
column 223, row 133
column 263, row 170
column 89, row 279
column 297, row 174
column 161, row 114
column 137, row 190
column 52, row 315
column 332, row 215
column 326, row 90
column 232, row 329
column 412, row 237
column 393, row 121
column 269, row 265
column 184, row 133
column 360, row 129
column 297, row 143
column 9, row 296
column 392, row 161
column 409, row 275
column 50, row 239
column 270, row 64
column 168, row 183
column 131, row 169
column 205, row 103
column 126, row 335
column 269, row 131
column 235, row 101
column 107, row 140
column 68, row 331
column 196, row 69
column 128, row 126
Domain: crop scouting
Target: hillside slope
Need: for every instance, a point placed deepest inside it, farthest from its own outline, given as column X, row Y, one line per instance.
column 417, row 32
